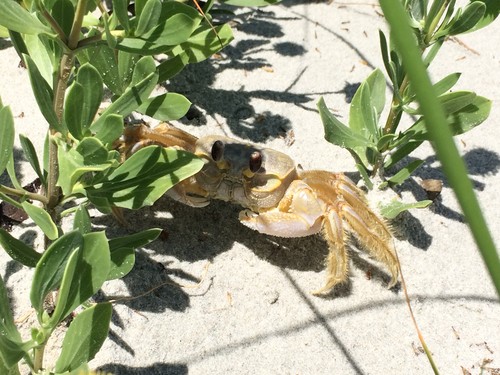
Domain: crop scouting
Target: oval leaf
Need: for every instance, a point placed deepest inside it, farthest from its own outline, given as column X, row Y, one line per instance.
column 14, row 17
column 42, row 219
column 165, row 107
column 131, row 99
column 472, row 14
column 143, row 178
column 122, row 262
column 85, row 272
column 149, row 18
column 111, row 130
column 73, row 109
column 84, row 337
column 50, row 268
column 31, row 156
column 11, row 348
column 336, row 132
column 455, row 101
column 18, row 250
column 7, row 132
column 205, row 42
column 91, row 81
column 81, row 221
column 43, row 93
column 394, row 208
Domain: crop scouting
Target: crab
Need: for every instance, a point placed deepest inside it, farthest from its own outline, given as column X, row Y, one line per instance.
column 277, row 198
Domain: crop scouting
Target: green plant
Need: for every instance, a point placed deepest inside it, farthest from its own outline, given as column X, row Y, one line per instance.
column 378, row 145
column 414, row 27
column 71, row 54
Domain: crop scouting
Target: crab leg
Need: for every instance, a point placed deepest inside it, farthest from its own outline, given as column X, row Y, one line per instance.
column 379, row 247
column 338, row 259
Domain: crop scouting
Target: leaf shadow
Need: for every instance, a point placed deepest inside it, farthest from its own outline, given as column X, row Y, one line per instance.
column 154, row 369
column 480, row 162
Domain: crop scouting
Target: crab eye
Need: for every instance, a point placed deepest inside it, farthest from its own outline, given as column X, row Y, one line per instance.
column 255, row 161
column 217, row 150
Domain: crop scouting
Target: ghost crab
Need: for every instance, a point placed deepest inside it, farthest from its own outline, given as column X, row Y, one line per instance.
column 279, row 199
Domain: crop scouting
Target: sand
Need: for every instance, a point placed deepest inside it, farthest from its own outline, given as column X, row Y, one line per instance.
column 252, row 312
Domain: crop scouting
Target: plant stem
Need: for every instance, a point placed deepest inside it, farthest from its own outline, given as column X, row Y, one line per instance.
column 74, row 35
column 38, row 361
column 23, row 193
column 61, row 84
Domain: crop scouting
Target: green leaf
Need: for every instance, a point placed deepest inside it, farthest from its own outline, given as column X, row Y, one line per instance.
column 103, row 58
column 17, row 41
column 433, row 51
column 135, row 240
column 139, row 6
column 204, row 42
column 126, row 65
column 12, row 173
column 250, row 3
column 403, row 174
column 455, row 101
column 364, row 175
column 121, row 12
column 31, row 156
column 84, row 274
column 81, row 221
column 418, row 9
column 131, row 99
column 149, row 18
column 42, row 219
column 143, row 68
column 91, row 81
column 170, row 67
column 461, row 121
column 111, row 130
column 89, row 155
column 472, row 14
column 43, row 94
column 14, row 17
column 377, row 84
column 165, row 107
column 18, row 250
column 385, row 57
column 49, row 270
column 84, row 337
column 73, row 109
column 122, row 262
column 403, row 151
column 143, row 178
column 45, row 54
column 11, row 347
column 7, row 326
column 175, row 30
column 361, row 119
column 470, row 116
column 446, row 83
column 366, row 106
column 7, row 134
column 491, row 13
column 394, row 208
column 337, row 133
column 63, row 12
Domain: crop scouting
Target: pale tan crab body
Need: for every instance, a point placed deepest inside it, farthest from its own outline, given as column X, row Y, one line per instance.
column 278, row 199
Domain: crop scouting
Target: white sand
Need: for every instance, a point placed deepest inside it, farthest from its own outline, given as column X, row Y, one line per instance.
column 253, row 313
